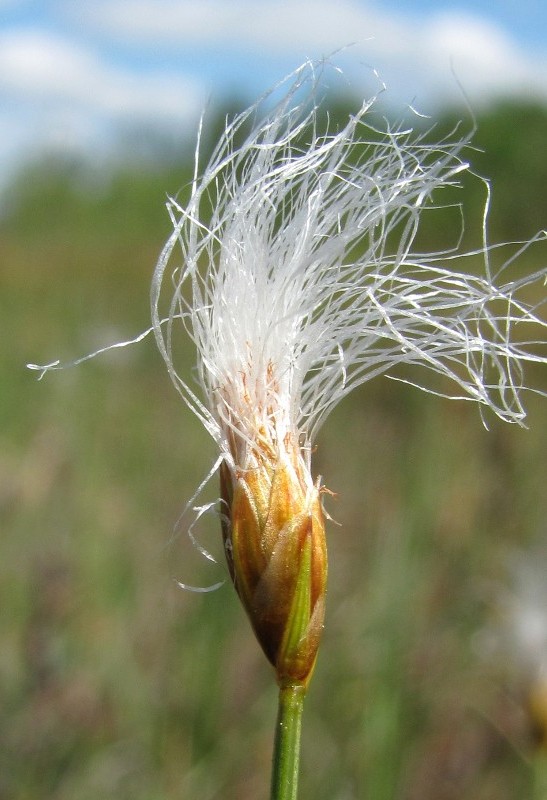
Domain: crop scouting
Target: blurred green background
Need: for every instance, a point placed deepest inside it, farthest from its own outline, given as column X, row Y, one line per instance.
column 114, row 682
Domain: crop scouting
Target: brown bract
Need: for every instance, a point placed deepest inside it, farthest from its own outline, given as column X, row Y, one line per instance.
column 275, row 545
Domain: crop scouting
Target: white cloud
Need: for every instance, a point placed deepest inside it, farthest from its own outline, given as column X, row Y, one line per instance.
column 485, row 59
column 70, row 91
column 42, row 68
column 406, row 48
column 278, row 25
column 58, row 96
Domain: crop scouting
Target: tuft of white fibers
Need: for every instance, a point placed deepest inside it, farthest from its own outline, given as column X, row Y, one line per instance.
column 291, row 269
column 517, row 635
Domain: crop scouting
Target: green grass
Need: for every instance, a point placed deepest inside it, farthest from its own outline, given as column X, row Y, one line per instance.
column 116, row 683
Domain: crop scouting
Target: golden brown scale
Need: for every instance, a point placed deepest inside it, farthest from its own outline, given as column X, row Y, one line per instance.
column 276, row 552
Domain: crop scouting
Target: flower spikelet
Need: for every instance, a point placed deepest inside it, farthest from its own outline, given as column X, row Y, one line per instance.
column 276, row 552
column 291, row 269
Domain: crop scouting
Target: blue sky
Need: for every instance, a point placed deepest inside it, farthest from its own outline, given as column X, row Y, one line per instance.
column 74, row 73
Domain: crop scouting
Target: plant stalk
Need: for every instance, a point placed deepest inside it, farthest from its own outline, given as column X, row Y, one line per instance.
column 286, row 755
column 540, row 776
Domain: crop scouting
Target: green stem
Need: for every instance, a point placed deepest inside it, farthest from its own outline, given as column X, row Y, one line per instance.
column 540, row 777
column 286, row 755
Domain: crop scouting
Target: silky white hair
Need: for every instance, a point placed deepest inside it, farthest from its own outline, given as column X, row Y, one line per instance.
column 291, row 269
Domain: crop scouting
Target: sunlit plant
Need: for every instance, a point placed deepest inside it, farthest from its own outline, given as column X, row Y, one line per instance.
column 292, row 269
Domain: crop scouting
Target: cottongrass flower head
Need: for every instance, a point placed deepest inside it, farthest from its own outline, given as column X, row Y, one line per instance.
column 513, row 646
column 521, row 633
column 523, row 607
column 291, row 268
